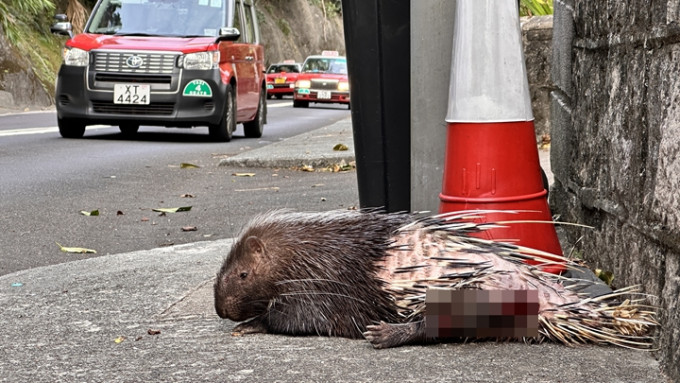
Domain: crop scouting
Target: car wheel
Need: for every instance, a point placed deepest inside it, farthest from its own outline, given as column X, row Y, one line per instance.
column 279, row 96
column 269, row 96
column 253, row 129
column 71, row 128
column 349, row 106
column 300, row 104
column 129, row 129
column 223, row 130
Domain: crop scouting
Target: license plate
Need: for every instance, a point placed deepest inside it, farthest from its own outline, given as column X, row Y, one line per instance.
column 280, row 80
column 136, row 94
column 324, row 94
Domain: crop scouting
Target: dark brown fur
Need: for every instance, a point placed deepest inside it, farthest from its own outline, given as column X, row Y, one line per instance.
column 308, row 274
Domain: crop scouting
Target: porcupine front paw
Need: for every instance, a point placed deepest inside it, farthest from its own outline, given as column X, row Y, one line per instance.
column 249, row 327
column 386, row 335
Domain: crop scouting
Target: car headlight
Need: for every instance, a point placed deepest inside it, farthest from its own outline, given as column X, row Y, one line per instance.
column 343, row 86
column 75, row 56
column 200, row 60
column 305, row 84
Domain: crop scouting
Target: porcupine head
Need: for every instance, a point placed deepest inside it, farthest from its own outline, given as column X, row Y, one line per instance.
column 291, row 273
column 242, row 288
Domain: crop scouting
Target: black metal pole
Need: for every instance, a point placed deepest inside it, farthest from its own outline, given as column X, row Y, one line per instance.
column 377, row 39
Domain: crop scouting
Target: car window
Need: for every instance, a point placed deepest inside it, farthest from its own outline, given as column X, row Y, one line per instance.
column 237, row 22
column 284, row 68
column 325, row 65
column 190, row 17
column 249, row 23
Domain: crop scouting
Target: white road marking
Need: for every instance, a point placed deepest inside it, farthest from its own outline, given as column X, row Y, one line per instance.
column 49, row 129
column 280, row 105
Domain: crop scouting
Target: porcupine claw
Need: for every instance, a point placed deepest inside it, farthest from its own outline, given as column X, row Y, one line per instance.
column 386, row 335
column 252, row 326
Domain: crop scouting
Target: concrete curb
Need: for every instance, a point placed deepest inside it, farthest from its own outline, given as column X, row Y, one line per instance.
column 313, row 149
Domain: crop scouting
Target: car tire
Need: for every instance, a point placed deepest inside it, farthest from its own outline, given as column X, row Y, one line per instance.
column 71, row 128
column 222, row 131
column 254, row 128
column 300, row 104
column 128, row 129
column 269, row 96
column 279, row 96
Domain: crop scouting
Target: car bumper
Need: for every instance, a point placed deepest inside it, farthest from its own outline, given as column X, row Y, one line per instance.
column 313, row 96
column 75, row 98
column 280, row 89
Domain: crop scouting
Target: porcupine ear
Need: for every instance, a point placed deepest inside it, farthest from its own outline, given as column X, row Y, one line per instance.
column 255, row 247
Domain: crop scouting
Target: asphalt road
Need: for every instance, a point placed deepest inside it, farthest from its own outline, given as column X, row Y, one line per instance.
column 46, row 181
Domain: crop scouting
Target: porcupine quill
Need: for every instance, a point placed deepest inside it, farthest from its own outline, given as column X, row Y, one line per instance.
column 366, row 274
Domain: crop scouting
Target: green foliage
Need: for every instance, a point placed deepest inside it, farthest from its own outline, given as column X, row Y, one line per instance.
column 283, row 26
column 535, row 7
column 26, row 25
column 332, row 7
column 19, row 16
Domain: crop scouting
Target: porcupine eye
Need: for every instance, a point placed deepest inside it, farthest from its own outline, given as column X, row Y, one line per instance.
column 243, row 275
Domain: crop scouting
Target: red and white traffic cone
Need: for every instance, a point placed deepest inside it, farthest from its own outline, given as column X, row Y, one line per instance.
column 491, row 154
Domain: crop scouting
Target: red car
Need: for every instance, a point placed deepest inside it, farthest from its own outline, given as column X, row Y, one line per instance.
column 164, row 63
column 281, row 78
column 323, row 80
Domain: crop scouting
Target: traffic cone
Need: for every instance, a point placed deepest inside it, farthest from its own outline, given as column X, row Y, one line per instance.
column 491, row 158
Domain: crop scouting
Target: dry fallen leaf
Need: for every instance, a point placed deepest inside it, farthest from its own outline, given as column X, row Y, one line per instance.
column 189, row 228
column 90, row 213
column 307, row 168
column 172, row 210
column 244, row 174
column 186, row 165
column 153, row 332
column 120, row 339
column 340, row 147
column 77, row 250
column 187, row 195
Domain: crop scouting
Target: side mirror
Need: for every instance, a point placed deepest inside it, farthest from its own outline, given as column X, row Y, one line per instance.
column 228, row 34
column 62, row 26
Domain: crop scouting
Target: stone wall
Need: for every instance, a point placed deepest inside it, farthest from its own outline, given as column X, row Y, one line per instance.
column 537, row 42
column 616, row 145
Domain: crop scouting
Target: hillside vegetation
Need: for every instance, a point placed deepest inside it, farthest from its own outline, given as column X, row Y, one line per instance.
column 30, row 55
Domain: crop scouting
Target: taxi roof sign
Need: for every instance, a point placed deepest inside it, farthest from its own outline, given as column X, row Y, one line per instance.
column 330, row 53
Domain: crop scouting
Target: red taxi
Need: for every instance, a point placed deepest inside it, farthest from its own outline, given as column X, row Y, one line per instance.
column 171, row 63
column 323, row 80
column 281, row 78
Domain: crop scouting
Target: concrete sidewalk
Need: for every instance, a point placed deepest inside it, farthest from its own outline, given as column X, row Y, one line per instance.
column 148, row 316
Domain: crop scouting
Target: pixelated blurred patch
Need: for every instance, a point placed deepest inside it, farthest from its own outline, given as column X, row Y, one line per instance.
column 481, row 313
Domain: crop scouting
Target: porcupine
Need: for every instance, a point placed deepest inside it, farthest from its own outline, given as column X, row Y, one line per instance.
column 365, row 274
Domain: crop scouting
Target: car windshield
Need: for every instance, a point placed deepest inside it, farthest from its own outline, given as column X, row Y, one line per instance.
column 160, row 17
column 284, row 68
column 326, row 65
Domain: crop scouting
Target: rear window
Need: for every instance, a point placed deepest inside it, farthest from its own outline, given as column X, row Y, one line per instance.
column 284, row 68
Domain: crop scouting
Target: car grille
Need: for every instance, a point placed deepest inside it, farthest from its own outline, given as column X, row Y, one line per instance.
column 152, row 63
column 324, row 84
column 125, row 78
column 159, row 108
